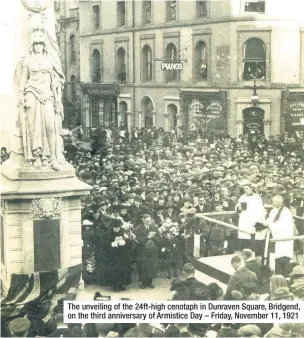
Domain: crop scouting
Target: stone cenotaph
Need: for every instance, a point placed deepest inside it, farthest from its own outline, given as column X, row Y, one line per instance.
column 40, row 206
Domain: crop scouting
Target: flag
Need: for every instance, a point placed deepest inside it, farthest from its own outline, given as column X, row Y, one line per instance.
column 43, row 289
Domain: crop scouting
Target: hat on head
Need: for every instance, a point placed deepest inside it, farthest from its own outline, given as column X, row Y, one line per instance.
column 188, row 268
column 282, row 294
column 116, row 223
column 297, row 270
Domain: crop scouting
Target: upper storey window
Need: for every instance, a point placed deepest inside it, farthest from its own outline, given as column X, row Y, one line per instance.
column 254, row 60
column 147, row 11
column 96, row 16
column 171, row 10
column 257, row 6
column 121, row 13
column 201, row 8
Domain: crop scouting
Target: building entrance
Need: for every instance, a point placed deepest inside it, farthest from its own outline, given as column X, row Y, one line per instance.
column 253, row 121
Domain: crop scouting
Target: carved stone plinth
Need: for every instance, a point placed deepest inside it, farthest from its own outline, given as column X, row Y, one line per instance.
column 29, row 173
column 27, row 207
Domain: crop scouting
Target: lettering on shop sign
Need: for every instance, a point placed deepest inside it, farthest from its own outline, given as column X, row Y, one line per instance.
column 172, row 66
column 214, row 110
column 297, row 106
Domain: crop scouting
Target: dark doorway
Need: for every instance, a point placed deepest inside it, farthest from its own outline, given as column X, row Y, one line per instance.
column 253, row 121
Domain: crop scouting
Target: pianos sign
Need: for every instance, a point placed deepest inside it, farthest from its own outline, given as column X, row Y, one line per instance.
column 172, row 66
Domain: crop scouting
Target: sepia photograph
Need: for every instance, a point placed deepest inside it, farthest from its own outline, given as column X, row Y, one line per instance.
column 152, row 164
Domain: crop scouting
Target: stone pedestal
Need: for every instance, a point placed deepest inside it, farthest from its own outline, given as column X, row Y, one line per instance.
column 41, row 207
column 31, row 203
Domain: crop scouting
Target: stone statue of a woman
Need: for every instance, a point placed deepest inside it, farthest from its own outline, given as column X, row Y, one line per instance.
column 39, row 81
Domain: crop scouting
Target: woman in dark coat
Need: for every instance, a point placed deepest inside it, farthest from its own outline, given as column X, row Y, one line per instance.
column 149, row 264
column 118, row 263
column 101, row 251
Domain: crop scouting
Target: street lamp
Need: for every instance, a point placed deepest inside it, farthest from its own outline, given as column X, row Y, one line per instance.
column 254, row 98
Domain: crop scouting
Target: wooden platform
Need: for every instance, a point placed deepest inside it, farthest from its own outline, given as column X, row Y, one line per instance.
column 217, row 267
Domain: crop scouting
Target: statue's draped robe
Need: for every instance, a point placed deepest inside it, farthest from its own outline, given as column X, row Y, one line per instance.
column 42, row 125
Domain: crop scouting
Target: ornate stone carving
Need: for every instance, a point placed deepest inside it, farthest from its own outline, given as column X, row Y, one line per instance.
column 46, row 208
column 36, row 6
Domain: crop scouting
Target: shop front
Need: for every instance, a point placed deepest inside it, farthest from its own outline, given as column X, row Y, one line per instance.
column 205, row 111
column 293, row 111
column 99, row 106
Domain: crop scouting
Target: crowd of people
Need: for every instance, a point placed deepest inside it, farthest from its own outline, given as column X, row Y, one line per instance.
column 140, row 220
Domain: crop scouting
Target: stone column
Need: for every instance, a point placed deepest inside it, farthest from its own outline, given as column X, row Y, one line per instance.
column 239, row 127
column 166, row 116
column 154, row 117
column 129, row 122
column 139, row 119
column 267, row 130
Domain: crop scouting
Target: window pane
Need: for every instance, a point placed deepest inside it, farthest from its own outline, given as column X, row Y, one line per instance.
column 96, row 16
column 255, row 6
column 254, row 71
column 121, row 13
column 255, row 50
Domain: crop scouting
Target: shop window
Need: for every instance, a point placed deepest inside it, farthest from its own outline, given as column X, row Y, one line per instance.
column 171, row 10
column 201, row 61
column 121, row 74
column 254, row 60
column 72, row 48
column 146, row 64
column 257, row 6
column 121, row 13
column 171, row 56
column 96, row 16
column 147, row 11
column 201, row 8
column 96, row 70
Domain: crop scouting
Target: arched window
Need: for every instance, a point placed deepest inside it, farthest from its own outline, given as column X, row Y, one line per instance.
column 121, row 73
column 123, row 108
column 254, row 60
column 73, row 88
column 146, row 64
column 201, row 71
column 172, row 112
column 148, row 108
column 96, row 70
column 72, row 48
column 171, row 56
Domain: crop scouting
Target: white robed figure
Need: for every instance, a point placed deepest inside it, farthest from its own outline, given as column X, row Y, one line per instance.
column 281, row 225
column 39, row 80
column 251, row 211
